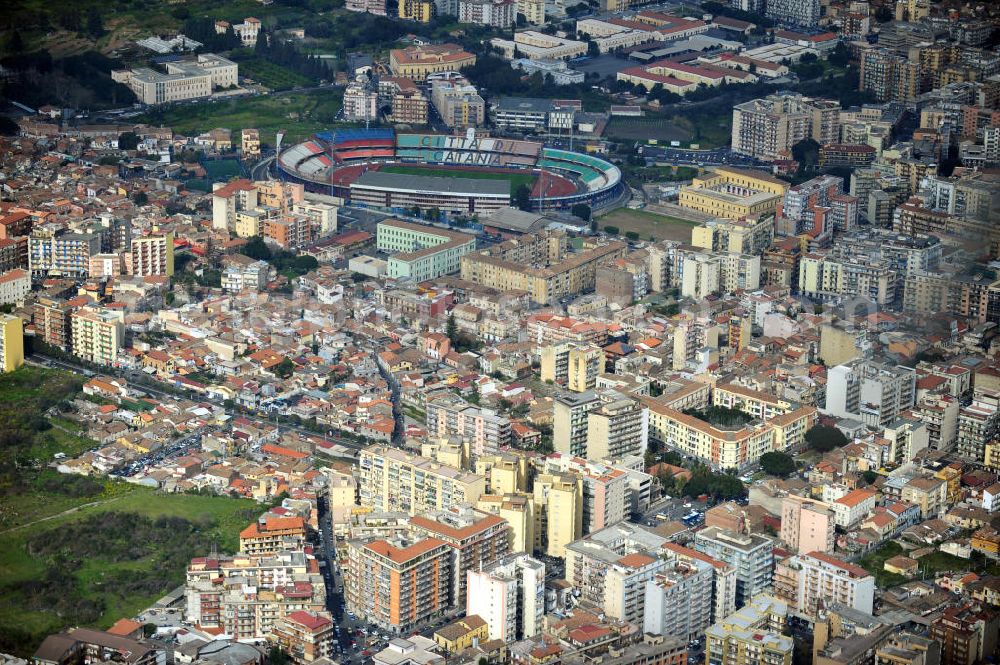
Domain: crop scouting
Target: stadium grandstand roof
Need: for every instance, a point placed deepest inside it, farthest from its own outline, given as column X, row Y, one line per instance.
column 409, row 183
column 513, row 219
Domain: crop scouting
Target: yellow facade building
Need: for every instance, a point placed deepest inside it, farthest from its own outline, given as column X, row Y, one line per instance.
column 11, row 343
column 462, row 634
column 559, row 498
column 733, row 193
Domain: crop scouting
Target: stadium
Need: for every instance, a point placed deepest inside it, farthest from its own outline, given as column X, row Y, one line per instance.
column 462, row 174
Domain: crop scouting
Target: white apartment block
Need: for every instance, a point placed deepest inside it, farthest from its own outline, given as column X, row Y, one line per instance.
column 360, row 103
column 875, row 393
column 823, row 578
column 679, row 600
column 510, row 596
column 751, row 555
column 15, row 285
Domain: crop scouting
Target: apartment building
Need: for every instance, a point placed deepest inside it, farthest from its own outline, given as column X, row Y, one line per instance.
column 421, row 11
column 539, row 264
column 394, row 480
column 11, row 343
column 518, row 510
column 611, row 567
column 850, row 509
column 559, row 510
column 750, row 554
column 832, row 277
column 679, row 600
column 153, row 255
column 702, row 275
column 509, row 595
column 875, row 393
column 571, row 365
column 533, row 10
column 978, row 423
column 407, row 101
column 723, row 579
column 809, row 582
column 400, row 584
column 450, row 415
column 51, row 319
column 751, row 636
column 97, row 334
column 15, row 285
column 56, row 252
column 305, row 636
column 804, row 13
column 477, row 539
column 727, row 448
column 360, row 102
column 768, row 128
column 931, row 494
column 272, row 534
column 229, row 199
column 215, row 592
column 888, row 76
column 605, row 489
column 617, row 427
column 740, row 236
column 809, row 208
column 495, row 13
column 570, row 421
column 456, row 100
column 807, row 525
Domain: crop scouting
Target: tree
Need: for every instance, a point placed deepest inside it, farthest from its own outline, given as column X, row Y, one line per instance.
column 611, row 230
column 276, row 656
column 869, row 476
column 824, row 439
column 95, row 26
column 632, row 235
column 140, row 198
column 451, row 329
column 128, row 141
column 284, row 369
column 581, row 210
column 522, row 197
column 593, row 50
column 303, row 264
column 777, row 464
column 806, row 153
column 257, row 249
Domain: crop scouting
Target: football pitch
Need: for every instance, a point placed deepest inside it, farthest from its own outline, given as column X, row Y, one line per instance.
column 515, row 179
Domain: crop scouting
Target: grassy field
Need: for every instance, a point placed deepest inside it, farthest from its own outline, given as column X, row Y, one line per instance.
column 103, row 589
column 299, row 114
column 515, row 179
column 706, row 128
column 648, row 224
column 272, row 75
column 222, row 169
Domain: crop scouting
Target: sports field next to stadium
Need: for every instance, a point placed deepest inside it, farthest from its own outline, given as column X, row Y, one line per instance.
column 648, row 224
column 515, row 179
